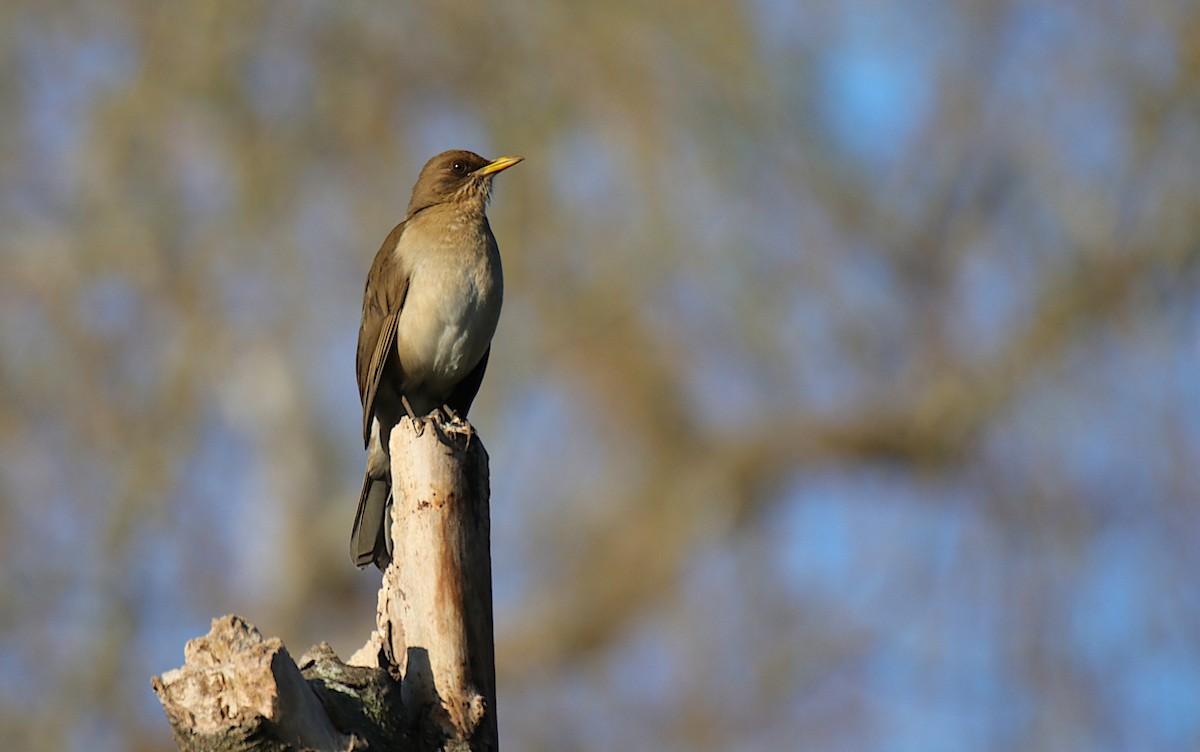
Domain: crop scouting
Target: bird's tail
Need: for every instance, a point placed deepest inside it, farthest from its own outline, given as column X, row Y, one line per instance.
column 371, row 539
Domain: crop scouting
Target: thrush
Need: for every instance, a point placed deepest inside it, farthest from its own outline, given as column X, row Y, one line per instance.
column 430, row 308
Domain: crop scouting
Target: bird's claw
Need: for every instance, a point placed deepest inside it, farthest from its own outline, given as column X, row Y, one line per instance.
column 457, row 425
column 417, row 422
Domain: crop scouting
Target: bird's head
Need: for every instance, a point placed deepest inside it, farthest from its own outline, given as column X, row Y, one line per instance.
column 457, row 176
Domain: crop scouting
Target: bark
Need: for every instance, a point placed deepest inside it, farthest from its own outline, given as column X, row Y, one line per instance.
column 424, row 681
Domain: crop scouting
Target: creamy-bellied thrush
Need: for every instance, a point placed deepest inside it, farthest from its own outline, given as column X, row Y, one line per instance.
column 430, row 309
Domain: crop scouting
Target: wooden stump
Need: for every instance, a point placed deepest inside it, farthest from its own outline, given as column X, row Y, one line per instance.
column 426, row 678
column 434, row 616
column 241, row 691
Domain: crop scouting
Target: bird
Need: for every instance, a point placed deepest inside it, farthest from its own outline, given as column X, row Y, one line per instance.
column 430, row 308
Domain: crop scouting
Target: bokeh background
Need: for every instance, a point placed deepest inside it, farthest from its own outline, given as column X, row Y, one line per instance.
column 846, row 396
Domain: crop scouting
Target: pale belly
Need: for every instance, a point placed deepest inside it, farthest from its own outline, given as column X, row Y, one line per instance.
column 447, row 324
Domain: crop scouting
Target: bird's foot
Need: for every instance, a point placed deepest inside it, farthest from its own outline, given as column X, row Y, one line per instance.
column 417, row 422
column 457, row 425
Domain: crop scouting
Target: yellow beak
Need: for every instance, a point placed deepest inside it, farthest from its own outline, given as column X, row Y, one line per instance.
column 503, row 163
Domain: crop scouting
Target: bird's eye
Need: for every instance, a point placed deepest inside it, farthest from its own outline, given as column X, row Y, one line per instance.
column 459, row 168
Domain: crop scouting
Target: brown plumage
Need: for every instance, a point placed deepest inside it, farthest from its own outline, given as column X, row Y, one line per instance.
column 430, row 307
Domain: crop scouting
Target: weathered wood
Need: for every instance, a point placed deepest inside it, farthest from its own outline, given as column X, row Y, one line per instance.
column 425, row 680
column 434, row 615
column 239, row 691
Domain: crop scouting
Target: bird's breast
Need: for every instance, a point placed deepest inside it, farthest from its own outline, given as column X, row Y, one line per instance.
column 451, row 311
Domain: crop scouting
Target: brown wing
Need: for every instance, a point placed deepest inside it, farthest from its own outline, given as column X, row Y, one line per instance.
column 464, row 394
column 383, row 298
